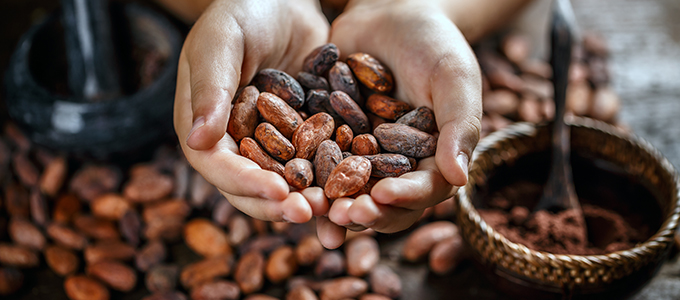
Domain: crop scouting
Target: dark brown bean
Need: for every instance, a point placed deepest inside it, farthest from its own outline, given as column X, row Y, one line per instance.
column 108, row 250
column 277, row 112
column 162, row 278
column 39, row 209
column 272, row 141
column 24, row 169
column 26, row 234
column 371, row 72
column 116, row 275
column 405, row 140
column 321, row 59
column 312, row 82
column 343, row 288
column 66, row 207
column 365, row 144
column 249, row 272
column 318, row 101
column 299, row 173
column 150, row 255
column 348, row 177
column 95, row 227
column 330, row 264
column 350, row 112
column 282, row 85
column 80, row 287
column 328, row 156
column 264, row 244
column 243, row 117
column 389, row 165
column 308, row 136
column 130, row 227
column 363, row 254
column 308, row 250
column 205, row 271
column 281, row 264
column 340, row 78
column 447, row 254
column 250, row 149
column 17, row 200
column 385, row 281
column 217, row 290
column 92, row 181
column 421, row 118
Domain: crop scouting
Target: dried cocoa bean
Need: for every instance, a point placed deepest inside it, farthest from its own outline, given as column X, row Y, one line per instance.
column 363, row 254
column 263, row 244
column 250, row 149
column 272, row 141
column 387, row 107
column 281, row 264
column 80, row 287
column 385, row 281
column 421, row 240
column 171, row 295
column 130, row 227
column 301, row 292
column 217, row 290
column 330, row 264
column 61, row 260
column 318, row 101
column 282, row 85
column 328, row 155
column 348, row 177
column 308, row 136
column 249, row 272
column 53, row 176
column 239, row 230
column 275, row 111
column 260, row 297
column 501, row 101
column 66, row 207
column 25, row 170
column 243, row 117
column 447, row 254
column 298, row 173
column 109, row 206
column 222, row 212
column 389, row 165
column 39, row 209
column 150, row 255
column 350, row 111
column 321, row 59
column 95, row 227
column 17, row 200
column 114, row 274
column 162, row 278
column 66, row 236
column 308, row 250
column 309, row 282
column 108, row 250
column 373, row 297
column 18, row 256
column 205, row 238
column 172, row 209
column 344, row 137
column 201, row 191
column 205, row 271
column 365, row 144
column 92, row 181
column 340, row 78
column 312, row 82
column 343, row 288
column 24, row 233
column 371, row 72
column 405, row 140
column 150, row 187
column 11, row 280
column 421, row 118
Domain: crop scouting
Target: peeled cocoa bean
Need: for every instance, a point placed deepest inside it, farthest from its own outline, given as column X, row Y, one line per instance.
column 365, row 144
column 205, row 238
column 343, row 288
column 312, row 82
column 281, row 264
column 61, row 260
column 249, row 272
column 108, row 250
column 243, row 117
column 371, row 72
column 66, row 207
column 301, row 292
column 308, row 136
column 66, row 236
column 92, row 181
column 328, row 155
column 282, row 85
column 344, row 137
column 26, row 234
column 308, row 250
column 18, row 256
column 95, row 227
column 150, row 255
column 388, row 165
column 250, row 149
column 277, row 112
column 340, row 78
column 272, row 141
column 52, row 178
column 385, row 281
column 150, row 187
column 114, row 274
column 321, row 59
column 350, row 111
column 217, row 290
column 387, row 107
column 363, row 254
column 205, row 271
column 405, row 140
column 109, row 206
column 11, row 280
column 330, row 264
column 162, row 278
column 421, row 118
column 80, row 287
column 421, row 240
column 299, row 173
column 447, row 254
column 348, row 177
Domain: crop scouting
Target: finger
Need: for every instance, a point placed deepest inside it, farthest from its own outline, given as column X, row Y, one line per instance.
column 338, row 211
column 381, row 218
column 294, row 208
column 330, row 235
column 420, row 189
column 317, row 200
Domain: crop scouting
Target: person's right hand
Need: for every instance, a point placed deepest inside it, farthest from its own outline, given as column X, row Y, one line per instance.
column 227, row 46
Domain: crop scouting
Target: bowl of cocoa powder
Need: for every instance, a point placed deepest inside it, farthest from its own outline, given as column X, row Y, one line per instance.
column 629, row 198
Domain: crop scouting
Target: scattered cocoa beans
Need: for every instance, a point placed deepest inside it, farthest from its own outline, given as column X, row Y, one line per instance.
column 308, row 250
column 421, row 240
column 205, row 271
column 301, row 292
column 61, row 260
column 385, row 281
column 363, row 255
column 26, row 234
column 343, row 288
column 114, row 274
column 281, row 264
column 80, row 287
column 162, row 278
column 18, row 256
column 150, row 255
column 447, row 254
column 217, row 290
column 348, row 177
column 249, row 272
column 206, row 239
column 108, row 250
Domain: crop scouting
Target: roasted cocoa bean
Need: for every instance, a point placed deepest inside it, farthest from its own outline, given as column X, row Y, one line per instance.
column 109, row 206
column 318, row 101
column 61, row 260
column 277, row 112
column 250, row 149
column 17, row 200
column 421, row 118
column 389, row 165
column 114, row 274
column 18, row 256
column 350, row 111
column 312, row 82
column 281, row 264
column 365, row 144
column 201, row 191
column 405, row 140
column 205, row 271
column 11, row 280
column 308, row 136
column 340, row 78
column 263, row 244
column 321, row 59
column 108, row 250
column 95, row 227
column 330, row 264
column 344, row 137
column 348, row 177
column 243, row 117
column 282, row 85
column 53, row 176
column 328, row 155
column 66, row 207
column 150, row 187
column 249, row 272
column 130, row 227
column 272, row 141
column 39, row 209
column 92, row 181
column 239, row 230
column 24, row 233
column 343, row 288
column 206, row 239
column 66, row 236
column 172, row 295
column 299, row 173
column 301, row 292
column 162, row 278
column 222, row 211
column 217, row 290
column 150, row 255
column 447, row 254
column 308, row 250
column 387, row 107
column 80, row 287
column 363, row 254
column 371, row 72
column 25, row 170
column 172, row 209
column 420, row 241
column 385, row 281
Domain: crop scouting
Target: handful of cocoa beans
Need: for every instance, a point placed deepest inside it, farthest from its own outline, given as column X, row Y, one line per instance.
column 334, row 127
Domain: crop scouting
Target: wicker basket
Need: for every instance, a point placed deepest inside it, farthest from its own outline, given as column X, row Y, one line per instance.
column 515, row 267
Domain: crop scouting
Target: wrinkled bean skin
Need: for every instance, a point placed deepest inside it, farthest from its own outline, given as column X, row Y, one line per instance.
column 277, row 112
column 312, row 82
column 421, row 118
column 348, row 177
column 388, row 165
column 281, row 84
column 350, row 112
column 272, row 141
column 243, row 117
column 405, row 140
column 365, row 144
column 344, row 137
column 321, row 59
column 250, row 149
column 371, row 72
column 308, row 136
column 328, row 155
column 387, row 107
column 299, row 173
column 341, row 78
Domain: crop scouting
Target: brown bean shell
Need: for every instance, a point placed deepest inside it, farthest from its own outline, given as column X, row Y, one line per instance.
column 243, row 117
column 421, row 118
column 321, row 59
column 282, row 85
column 299, row 173
column 278, row 113
column 389, row 165
column 350, row 112
column 405, row 140
column 348, row 177
column 328, row 155
column 308, row 136
column 341, row 78
column 365, row 144
column 371, row 72
column 272, row 141
column 387, row 107
column 250, row 149
column 344, row 136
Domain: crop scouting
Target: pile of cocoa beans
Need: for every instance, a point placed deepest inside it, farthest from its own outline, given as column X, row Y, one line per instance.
column 326, row 131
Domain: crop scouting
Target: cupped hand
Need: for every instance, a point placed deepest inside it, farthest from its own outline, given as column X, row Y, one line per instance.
column 433, row 66
column 227, row 46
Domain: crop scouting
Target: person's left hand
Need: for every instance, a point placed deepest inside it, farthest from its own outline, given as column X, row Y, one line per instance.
column 433, row 66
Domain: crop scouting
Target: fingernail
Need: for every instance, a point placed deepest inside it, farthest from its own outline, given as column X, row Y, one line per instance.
column 463, row 161
column 197, row 124
column 286, row 219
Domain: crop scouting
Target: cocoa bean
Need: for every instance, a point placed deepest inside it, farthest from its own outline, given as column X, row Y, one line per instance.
column 108, row 250
column 239, row 230
column 66, row 236
column 25, row 170
column 150, row 255
column 309, row 282
column 130, row 227
column 201, row 191
column 260, row 297
column 205, row 271
column 66, row 207
column 363, row 254
column 281, row 264
column 301, row 292
column 162, row 278
column 282, row 85
column 312, row 82
column 53, row 176
column 375, row 121
column 151, row 187
column 350, row 111
column 385, row 281
column 503, row 79
column 373, row 297
column 61, row 260
column 318, row 101
column 348, row 177
column 308, row 250
column 330, row 264
column 420, row 241
column 537, row 68
column 114, row 274
column 18, row 256
column 222, row 212
column 26, row 234
column 17, row 200
column 243, row 117
column 389, row 165
column 274, row 142
column 447, row 254
column 540, row 87
column 371, row 72
column 365, row 144
column 172, row 209
column 344, row 137
column 250, row 149
column 387, row 107
column 405, row 140
column 205, row 238
column 167, row 229
column 298, row 173
column 308, row 136
column 249, row 272
column 80, row 287
column 263, row 244
column 18, row 138
column 92, row 181
column 172, row 295
column 39, row 209
column 109, row 206
column 421, row 118
column 328, row 155
column 11, row 280
column 342, row 288
column 340, row 78
column 217, row 290
column 501, row 101
column 321, row 59
column 95, row 227
column 530, row 109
